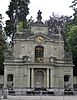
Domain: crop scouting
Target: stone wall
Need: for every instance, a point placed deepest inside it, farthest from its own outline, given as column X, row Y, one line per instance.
column 1, row 81
column 27, row 48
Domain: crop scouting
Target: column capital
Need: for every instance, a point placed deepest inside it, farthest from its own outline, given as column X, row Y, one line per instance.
column 48, row 68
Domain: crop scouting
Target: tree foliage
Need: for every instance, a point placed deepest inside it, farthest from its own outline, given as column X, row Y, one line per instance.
column 17, row 11
column 72, row 35
column 72, row 41
column 74, row 7
column 2, row 47
column 56, row 22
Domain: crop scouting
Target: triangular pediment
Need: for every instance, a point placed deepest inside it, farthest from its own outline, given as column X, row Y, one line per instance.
column 39, row 37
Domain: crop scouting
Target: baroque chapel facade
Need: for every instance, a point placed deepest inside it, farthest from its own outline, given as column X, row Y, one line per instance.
column 38, row 59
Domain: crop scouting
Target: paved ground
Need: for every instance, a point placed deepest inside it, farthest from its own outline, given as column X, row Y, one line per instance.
column 40, row 98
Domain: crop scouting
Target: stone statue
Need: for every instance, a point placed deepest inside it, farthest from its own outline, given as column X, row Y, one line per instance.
column 39, row 17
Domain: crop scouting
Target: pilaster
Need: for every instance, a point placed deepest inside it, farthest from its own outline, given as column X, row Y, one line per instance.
column 28, row 77
column 32, row 78
column 47, row 78
column 51, row 77
column 5, row 78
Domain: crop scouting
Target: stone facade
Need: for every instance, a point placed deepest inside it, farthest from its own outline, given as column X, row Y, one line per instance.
column 1, row 81
column 38, row 60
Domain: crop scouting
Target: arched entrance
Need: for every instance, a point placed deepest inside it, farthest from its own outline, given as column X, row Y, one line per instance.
column 39, row 79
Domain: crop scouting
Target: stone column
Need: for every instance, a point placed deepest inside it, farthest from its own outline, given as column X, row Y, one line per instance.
column 5, row 84
column 47, row 78
column 5, row 92
column 5, row 78
column 28, row 77
column 71, row 78
column 32, row 78
column 51, row 78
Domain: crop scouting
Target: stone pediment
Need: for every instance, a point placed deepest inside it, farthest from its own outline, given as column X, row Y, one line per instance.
column 40, row 38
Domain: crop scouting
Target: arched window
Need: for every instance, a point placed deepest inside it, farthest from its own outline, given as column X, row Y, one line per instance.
column 39, row 53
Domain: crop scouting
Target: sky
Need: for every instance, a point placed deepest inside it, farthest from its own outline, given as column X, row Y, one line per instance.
column 60, row 7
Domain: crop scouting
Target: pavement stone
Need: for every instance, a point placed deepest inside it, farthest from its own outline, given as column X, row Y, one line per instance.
column 40, row 98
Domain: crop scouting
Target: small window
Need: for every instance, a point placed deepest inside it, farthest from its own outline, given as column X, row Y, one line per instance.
column 66, row 78
column 10, row 77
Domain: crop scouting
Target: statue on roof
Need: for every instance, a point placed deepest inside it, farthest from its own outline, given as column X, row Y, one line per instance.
column 39, row 17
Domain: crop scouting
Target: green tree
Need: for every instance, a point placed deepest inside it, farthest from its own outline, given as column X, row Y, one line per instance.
column 17, row 13
column 2, row 47
column 72, row 41
column 72, row 35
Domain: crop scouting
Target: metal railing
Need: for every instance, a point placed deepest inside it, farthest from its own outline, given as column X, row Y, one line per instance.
column 31, row 92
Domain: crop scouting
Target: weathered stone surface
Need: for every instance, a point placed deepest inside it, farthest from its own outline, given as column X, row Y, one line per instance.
column 51, row 70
